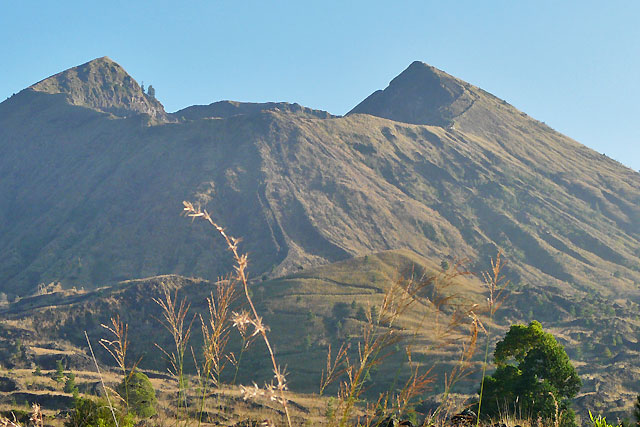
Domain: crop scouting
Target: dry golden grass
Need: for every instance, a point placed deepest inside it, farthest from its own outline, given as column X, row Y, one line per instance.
column 450, row 317
column 275, row 391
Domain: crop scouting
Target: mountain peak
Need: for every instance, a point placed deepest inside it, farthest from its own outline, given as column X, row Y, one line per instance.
column 421, row 94
column 102, row 84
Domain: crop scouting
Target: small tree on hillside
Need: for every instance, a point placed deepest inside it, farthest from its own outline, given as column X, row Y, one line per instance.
column 70, row 384
column 532, row 371
column 151, row 92
column 636, row 410
column 58, row 375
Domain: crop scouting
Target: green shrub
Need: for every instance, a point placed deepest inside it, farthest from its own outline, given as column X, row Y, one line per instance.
column 90, row 413
column 138, row 393
column 599, row 421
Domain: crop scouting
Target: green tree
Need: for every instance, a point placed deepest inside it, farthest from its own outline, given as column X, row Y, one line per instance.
column 58, row 375
column 532, row 370
column 307, row 342
column 636, row 410
column 70, row 384
column 341, row 310
column 138, row 393
column 151, row 91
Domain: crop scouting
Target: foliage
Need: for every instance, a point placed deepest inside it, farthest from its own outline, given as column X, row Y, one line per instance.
column 70, row 384
column 636, row 409
column 599, row 421
column 142, row 396
column 58, row 375
column 89, row 413
column 533, row 372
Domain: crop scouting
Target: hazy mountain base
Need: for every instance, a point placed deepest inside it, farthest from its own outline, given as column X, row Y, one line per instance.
column 300, row 310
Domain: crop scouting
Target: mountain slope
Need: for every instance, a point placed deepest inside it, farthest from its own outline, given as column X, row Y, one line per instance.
column 92, row 180
column 305, row 188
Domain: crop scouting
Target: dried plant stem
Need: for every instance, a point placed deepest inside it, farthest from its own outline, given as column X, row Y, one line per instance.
column 215, row 335
column 106, row 393
column 240, row 267
column 237, row 362
column 174, row 321
column 118, row 350
column 493, row 280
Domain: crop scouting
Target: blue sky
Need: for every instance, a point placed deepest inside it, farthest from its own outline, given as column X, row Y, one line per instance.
column 572, row 64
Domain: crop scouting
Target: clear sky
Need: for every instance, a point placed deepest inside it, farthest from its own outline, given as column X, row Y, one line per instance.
column 572, row 64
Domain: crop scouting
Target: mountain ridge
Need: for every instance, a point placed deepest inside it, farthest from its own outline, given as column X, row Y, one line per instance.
column 300, row 171
column 103, row 85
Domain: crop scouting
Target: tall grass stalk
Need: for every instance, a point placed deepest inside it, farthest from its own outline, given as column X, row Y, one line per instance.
column 104, row 387
column 117, row 348
column 277, row 390
column 495, row 283
column 247, row 339
column 381, row 334
column 175, row 315
column 215, row 335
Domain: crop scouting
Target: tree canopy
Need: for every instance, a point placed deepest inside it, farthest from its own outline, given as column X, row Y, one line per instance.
column 532, row 370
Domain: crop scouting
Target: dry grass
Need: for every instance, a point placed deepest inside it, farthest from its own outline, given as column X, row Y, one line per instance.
column 175, row 313
column 274, row 391
column 433, row 301
column 450, row 317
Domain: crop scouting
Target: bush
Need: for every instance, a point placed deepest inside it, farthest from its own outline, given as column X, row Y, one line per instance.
column 599, row 421
column 138, row 393
column 533, row 370
column 89, row 413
